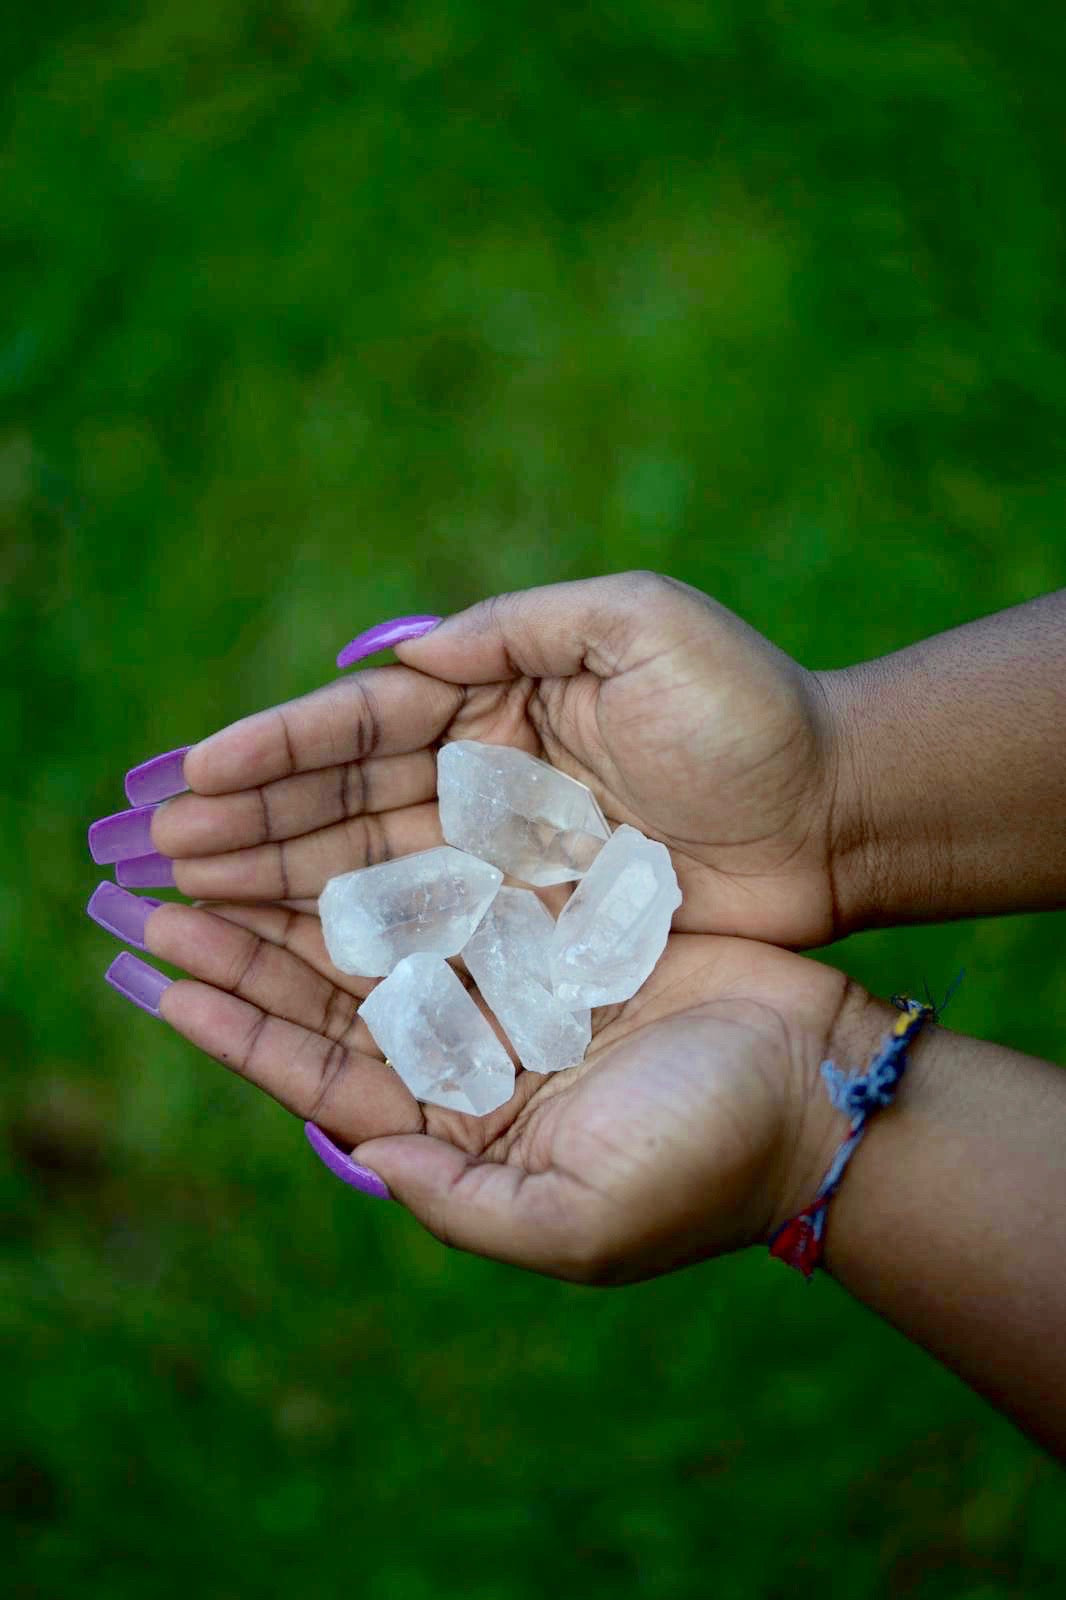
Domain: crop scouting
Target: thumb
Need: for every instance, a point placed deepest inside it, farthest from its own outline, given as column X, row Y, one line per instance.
column 593, row 625
column 528, row 1219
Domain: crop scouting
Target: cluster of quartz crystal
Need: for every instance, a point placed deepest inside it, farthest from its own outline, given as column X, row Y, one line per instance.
column 502, row 811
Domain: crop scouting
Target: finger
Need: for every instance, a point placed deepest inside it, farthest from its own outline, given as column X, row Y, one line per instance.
column 301, row 935
column 350, row 1094
column 307, row 905
column 592, row 625
column 295, row 869
column 379, row 712
column 541, row 1221
column 201, row 825
column 248, row 962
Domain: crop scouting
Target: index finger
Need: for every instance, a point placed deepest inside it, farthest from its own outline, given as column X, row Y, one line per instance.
column 380, row 711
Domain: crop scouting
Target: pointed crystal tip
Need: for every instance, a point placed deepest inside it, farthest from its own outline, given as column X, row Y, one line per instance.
column 614, row 927
column 508, row 958
column 437, row 1038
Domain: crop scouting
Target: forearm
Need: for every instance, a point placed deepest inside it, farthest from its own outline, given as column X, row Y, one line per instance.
column 951, row 1219
column 951, row 788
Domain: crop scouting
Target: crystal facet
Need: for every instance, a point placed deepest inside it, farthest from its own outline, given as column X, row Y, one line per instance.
column 508, row 960
column 430, row 901
column 437, row 1039
column 531, row 820
column 613, row 928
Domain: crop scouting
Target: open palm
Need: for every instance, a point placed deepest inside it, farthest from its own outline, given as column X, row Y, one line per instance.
column 667, row 1144
column 683, row 721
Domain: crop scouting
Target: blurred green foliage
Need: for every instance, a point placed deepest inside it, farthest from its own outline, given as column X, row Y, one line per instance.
column 316, row 313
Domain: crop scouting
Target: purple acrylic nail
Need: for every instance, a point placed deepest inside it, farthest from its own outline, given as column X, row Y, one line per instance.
column 126, row 834
column 157, row 779
column 384, row 636
column 121, row 913
column 343, row 1166
column 138, row 981
column 152, row 871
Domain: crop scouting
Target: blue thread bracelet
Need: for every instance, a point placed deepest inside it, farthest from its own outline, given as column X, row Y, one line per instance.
column 800, row 1242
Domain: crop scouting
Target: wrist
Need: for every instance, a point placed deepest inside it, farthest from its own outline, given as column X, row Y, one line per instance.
column 888, row 850
column 858, row 1030
column 812, row 1127
column 851, row 843
column 946, row 1220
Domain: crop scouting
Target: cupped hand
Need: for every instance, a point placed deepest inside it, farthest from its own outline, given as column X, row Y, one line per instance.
column 683, row 1133
column 684, row 722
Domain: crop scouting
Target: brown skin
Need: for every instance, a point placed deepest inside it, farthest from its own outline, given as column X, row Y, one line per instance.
column 675, row 1138
column 952, row 773
column 951, row 1220
column 683, row 720
column 798, row 806
column 694, row 1126
column 697, row 1122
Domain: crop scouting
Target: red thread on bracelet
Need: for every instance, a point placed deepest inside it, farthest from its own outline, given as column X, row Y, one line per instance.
column 800, row 1242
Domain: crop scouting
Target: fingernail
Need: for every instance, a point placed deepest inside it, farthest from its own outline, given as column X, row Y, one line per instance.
column 157, row 779
column 384, row 636
column 126, row 834
column 343, row 1166
column 138, row 981
column 120, row 913
column 152, row 871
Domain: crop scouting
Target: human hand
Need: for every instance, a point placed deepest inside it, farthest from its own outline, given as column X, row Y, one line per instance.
column 695, row 1125
column 683, row 720
column 683, row 1133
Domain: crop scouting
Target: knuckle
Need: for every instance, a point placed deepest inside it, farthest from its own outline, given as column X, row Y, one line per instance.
column 246, row 1059
column 642, row 581
column 375, row 839
column 369, row 729
column 245, row 962
column 498, row 608
column 338, row 1014
column 285, row 735
column 282, row 864
column 650, row 588
column 332, row 1066
column 354, row 785
column 503, row 617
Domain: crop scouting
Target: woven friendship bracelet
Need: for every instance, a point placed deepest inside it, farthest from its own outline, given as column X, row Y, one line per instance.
column 800, row 1243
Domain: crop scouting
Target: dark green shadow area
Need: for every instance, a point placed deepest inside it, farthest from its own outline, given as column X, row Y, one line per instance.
column 317, row 313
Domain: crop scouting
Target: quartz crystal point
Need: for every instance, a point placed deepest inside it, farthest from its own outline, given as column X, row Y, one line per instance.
column 508, row 960
column 531, row 820
column 613, row 928
column 436, row 1038
column 430, row 901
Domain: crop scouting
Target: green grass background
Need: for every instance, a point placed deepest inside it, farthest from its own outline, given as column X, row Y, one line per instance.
column 315, row 313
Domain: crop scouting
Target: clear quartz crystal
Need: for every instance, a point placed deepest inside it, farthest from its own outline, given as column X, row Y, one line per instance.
column 613, row 928
column 437, row 1039
column 430, row 901
column 531, row 820
column 508, row 960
